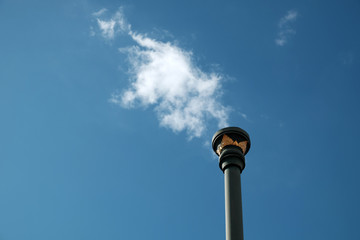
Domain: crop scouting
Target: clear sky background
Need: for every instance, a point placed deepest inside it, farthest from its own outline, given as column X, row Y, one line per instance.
column 107, row 109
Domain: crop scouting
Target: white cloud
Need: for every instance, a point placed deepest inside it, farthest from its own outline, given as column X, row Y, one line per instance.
column 107, row 28
column 115, row 24
column 165, row 76
column 100, row 12
column 244, row 116
column 290, row 16
column 284, row 28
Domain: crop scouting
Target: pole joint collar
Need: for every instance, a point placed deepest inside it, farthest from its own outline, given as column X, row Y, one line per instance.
column 232, row 156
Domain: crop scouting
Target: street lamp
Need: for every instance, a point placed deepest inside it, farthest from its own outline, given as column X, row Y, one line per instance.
column 231, row 145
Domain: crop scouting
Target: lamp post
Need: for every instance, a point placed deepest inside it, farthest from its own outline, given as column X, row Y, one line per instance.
column 231, row 145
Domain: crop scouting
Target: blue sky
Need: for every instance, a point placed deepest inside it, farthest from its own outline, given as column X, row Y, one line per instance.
column 108, row 109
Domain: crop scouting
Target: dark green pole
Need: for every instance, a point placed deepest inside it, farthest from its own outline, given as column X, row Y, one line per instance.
column 231, row 144
column 231, row 166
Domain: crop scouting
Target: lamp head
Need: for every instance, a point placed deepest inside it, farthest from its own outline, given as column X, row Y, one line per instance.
column 231, row 136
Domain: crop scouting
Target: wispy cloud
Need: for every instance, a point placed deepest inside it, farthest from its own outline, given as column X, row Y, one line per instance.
column 165, row 76
column 100, row 12
column 110, row 27
column 285, row 30
column 107, row 28
column 244, row 116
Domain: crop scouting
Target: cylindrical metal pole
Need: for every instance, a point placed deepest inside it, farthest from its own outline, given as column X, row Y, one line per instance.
column 233, row 205
column 232, row 162
column 231, row 145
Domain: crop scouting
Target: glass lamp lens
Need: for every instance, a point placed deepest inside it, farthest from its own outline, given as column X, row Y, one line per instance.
column 231, row 140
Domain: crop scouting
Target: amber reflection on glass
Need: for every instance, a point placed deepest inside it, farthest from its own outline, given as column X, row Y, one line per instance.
column 226, row 141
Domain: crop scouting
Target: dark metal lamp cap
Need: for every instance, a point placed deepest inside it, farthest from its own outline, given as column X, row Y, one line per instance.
column 231, row 136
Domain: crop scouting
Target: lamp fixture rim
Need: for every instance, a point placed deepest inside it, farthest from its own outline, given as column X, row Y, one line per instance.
column 231, row 130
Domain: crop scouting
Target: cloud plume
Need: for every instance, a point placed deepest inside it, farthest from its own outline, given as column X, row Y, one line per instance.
column 284, row 28
column 166, row 77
